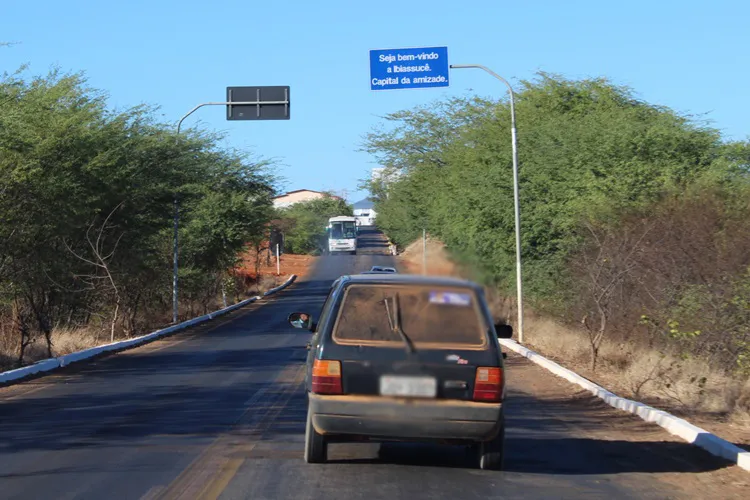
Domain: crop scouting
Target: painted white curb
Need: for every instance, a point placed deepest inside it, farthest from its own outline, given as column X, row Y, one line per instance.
column 282, row 286
column 677, row 426
column 55, row 363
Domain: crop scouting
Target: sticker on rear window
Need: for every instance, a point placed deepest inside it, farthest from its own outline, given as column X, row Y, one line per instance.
column 450, row 298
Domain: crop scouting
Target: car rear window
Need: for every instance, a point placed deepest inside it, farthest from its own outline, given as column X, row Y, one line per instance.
column 438, row 316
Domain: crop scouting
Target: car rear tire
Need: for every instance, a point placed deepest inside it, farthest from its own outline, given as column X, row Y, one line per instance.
column 316, row 447
column 491, row 454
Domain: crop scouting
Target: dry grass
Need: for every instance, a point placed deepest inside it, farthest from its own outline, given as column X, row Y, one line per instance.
column 68, row 340
column 690, row 388
column 635, row 371
column 8, row 346
column 64, row 341
column 687, row 387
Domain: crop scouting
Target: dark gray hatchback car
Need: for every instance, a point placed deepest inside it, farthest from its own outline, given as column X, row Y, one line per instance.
column 398, row 357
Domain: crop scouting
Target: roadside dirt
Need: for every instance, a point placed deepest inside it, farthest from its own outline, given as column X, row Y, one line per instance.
column 267, row 276
column 732, row 429
column 438, row 263
column 689, row 471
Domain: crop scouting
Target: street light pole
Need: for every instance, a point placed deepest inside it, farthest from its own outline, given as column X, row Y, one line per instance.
column 175, row 253
column 519, row 280
column 424, row 251
column 176, row 202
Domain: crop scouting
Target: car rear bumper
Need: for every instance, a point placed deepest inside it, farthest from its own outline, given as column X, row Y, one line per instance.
column 390, row 418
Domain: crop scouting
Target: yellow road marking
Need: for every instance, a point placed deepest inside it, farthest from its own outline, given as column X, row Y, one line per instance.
column 216, row 487
column 182, row 485
column 211, row 470
column 153, row 493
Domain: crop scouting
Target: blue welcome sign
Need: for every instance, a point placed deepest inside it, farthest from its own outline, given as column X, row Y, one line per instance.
column 412, row 68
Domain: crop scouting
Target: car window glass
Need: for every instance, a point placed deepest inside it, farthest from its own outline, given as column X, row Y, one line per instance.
column 435, row 315
column 327, row 305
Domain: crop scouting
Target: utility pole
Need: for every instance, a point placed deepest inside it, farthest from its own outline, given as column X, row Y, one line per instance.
column 519, row 280
column 175, row 253
column 424, row 251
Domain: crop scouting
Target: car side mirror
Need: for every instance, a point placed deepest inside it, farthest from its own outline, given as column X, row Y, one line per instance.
column 504, row 331
column 300, row 320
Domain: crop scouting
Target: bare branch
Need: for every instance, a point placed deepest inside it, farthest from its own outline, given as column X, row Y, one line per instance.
column 112, row 253
column 104, row 225
column 84, row 259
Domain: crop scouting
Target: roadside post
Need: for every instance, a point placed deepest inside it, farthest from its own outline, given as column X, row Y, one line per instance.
column 278, row 261
column 242, row 103
column 516, row 202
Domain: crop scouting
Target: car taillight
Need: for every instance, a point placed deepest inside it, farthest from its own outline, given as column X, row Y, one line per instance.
column 488, row 384
column 326, row 377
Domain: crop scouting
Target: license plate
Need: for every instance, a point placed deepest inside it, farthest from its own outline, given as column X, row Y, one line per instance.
column 413, row 387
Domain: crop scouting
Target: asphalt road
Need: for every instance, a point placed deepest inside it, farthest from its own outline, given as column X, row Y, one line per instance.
column 219, row 411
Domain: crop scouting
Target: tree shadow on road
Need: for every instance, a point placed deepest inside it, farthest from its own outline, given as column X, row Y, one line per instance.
column 557, row 456
column 566, row 437
column 535, row 445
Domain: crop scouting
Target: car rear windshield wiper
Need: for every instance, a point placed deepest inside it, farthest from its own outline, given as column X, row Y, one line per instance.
column 395, row 324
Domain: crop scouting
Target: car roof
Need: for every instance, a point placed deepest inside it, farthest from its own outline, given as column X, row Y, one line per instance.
column 408, row 279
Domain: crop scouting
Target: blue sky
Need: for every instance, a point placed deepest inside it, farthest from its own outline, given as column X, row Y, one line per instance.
column 689, row 55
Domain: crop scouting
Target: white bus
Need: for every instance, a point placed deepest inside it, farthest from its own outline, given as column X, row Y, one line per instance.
column 342, row 234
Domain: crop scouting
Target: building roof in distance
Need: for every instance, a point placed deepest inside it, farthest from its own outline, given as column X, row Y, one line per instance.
column 367, row 203
column 305, row 191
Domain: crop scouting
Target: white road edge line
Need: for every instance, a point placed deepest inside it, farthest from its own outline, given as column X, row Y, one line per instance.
column 674, row 425
column 55, row 363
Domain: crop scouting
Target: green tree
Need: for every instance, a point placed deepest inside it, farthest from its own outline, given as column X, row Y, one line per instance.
column 586, row 147
column 70, row 168
column 308, row 220
column 628, row 209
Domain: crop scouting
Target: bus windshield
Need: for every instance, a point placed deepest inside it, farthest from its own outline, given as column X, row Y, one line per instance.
column 343, row 230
